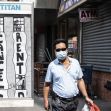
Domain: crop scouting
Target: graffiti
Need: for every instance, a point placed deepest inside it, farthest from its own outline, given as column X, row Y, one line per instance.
column 3, row 79
column 20, row 56
column 20, row 85
column 18, row 24
column 20, row 93
column 19, row 60
column 3, row 94
column 15, row 49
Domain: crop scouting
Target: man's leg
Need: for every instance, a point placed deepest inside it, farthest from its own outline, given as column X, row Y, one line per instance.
column 72, row 105
column 57, row 104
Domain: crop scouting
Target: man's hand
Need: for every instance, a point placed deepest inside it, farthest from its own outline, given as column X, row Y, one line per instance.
column 46, row 89
column 82, row 88
column 46, row 104
column 89, row 101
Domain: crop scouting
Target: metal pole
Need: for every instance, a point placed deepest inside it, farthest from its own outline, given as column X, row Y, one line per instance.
column 48, row 54
column 80, row 49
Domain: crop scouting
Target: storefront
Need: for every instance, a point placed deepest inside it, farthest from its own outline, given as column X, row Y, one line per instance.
column 69, row 25
column 94, row 36
column 96, row 45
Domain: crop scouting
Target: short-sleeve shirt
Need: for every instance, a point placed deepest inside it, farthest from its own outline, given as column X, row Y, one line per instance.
column 64, row 80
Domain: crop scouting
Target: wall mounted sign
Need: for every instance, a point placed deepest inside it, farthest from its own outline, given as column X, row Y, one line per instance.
column 15, row 8
column 16, row 57
column 88, row 14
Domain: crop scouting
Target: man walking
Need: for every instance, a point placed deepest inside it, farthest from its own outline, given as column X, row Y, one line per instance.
column 64, row 75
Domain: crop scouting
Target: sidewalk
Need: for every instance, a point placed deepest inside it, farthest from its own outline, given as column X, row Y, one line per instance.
column 38, row 106
column 103, row 105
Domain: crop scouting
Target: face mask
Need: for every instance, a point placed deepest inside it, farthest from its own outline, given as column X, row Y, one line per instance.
column 61, row 55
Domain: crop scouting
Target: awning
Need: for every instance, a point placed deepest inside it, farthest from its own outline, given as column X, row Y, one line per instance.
column 68, row 6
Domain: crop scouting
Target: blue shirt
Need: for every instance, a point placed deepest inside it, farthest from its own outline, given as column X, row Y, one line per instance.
column 64, row 80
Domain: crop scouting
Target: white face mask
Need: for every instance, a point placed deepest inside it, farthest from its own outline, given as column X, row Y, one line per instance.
column 61, row 55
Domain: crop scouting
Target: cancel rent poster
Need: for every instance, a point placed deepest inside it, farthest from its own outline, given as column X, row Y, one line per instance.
column 15, row 50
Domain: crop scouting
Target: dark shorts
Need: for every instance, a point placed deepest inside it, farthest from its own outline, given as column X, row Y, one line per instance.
column 64, row 104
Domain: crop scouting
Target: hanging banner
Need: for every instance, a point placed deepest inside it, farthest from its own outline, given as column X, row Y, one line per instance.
column 88, row 14
column 68, row 5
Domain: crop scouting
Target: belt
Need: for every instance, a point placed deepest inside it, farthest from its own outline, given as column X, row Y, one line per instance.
column 68, row 99
column 54, row 95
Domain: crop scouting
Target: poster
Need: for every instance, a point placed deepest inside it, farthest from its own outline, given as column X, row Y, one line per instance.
column 16, row 55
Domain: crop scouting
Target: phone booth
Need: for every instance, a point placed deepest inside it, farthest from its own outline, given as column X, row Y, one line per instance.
column 16, row 54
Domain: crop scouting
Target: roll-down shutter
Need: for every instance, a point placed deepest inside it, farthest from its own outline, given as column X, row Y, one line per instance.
column 96, row 40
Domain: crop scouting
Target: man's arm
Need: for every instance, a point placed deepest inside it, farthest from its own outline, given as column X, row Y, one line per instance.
column 82, row 88
column 46, row 90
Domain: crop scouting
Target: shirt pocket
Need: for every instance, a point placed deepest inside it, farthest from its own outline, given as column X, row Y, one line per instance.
column 57, row 74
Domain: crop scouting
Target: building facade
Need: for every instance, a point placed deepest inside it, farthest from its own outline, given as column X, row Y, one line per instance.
column 94, row 37
column 16, row 55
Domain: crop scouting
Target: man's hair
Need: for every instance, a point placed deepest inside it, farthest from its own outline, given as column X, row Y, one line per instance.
column 57, row 41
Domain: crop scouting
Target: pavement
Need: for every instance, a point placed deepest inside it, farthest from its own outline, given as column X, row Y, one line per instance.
column 38, row 105
column 103, row 105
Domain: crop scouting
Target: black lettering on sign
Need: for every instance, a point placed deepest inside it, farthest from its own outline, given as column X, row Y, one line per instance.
column 1, row 56
column 94, row 13
column 20, row 56
column 1, row 87
column 20, row 94
column 91, row 13
column 83, row 14
column 1, row 35
column 20, row 64
column 1, row 95
column 88, row 13
column 1, row 46
column 18, row 47
column 1, row 53
column 1, row 74
column 18, row 37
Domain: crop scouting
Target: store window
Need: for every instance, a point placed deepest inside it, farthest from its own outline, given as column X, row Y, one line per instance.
column 72, row 47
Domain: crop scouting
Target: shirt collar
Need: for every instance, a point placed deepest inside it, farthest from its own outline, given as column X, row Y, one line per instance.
column 58, row 62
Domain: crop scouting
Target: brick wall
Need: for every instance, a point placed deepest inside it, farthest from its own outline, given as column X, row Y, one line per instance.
column 99, row 79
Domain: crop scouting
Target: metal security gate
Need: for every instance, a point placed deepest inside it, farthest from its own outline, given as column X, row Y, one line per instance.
column 96, row 40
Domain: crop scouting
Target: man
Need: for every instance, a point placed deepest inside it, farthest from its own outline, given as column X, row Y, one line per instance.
column 65, row 75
